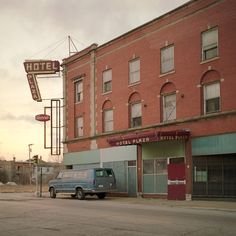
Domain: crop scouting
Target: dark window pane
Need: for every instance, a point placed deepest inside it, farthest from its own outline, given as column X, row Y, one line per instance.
column 210, row 53
column 212, row 105
column 136, row 122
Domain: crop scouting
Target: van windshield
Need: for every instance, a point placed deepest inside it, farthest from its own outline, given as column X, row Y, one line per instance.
column 104, row 173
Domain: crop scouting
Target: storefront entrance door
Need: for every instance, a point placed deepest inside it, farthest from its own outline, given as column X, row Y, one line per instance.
column 132, row 182
column 176, row 179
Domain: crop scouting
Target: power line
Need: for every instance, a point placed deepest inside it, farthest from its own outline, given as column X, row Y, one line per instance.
column 59, row 42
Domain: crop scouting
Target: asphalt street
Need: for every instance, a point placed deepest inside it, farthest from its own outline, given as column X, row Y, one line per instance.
column 27, row 215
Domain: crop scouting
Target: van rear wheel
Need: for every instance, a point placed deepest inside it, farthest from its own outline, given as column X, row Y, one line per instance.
column 80, row 194
column 52, row 193
column 101, row 195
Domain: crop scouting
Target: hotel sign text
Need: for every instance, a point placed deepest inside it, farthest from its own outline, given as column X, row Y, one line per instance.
column 153, row 136
column 42, row 67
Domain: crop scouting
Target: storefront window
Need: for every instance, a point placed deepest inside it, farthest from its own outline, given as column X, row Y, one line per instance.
column 161, row 166
column 200, row 175
column 155, row 176
column 214, row 176
column 148, row 167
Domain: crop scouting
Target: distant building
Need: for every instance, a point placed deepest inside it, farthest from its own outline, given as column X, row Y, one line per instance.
column 6, row 170
column 23, row 172
column 157, row 104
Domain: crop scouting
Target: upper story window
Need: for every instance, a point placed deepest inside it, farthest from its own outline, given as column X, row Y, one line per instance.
column 79, row 91
column 169, row 107
column 134, row 71
column 79, row 132
column 211, row 97
column 107, row 81
column 108, row 120
column 210, row 44
column 167, row 59
column 136, row 114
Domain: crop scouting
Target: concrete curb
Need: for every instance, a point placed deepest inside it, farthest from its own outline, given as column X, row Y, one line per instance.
column 196, row 204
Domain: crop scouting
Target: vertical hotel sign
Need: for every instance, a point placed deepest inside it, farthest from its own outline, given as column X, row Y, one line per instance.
column 39, row 67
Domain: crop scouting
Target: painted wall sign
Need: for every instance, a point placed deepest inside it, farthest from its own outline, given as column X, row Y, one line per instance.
column 42, row 67
column 42, row 117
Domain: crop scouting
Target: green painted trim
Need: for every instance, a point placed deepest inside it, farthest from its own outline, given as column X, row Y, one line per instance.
column 213, row 145
column 86, row 157
column 163, row 149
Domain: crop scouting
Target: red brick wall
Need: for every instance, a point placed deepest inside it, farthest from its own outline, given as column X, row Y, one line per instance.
column 182, row 28
column 80, row 109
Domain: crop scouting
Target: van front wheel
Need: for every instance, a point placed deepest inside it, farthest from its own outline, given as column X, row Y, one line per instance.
column 80, row 194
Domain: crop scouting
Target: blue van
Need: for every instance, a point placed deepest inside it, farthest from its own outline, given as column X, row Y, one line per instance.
column 79, row 183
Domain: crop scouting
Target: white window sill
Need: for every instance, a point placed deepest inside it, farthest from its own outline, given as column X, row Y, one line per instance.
column 108, row 92
column 209, row 60
column 76, row 103
column 167, row 73
column 136, row 83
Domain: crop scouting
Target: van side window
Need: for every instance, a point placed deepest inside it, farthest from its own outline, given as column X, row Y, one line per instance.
column 67, row 175
column 81, row 175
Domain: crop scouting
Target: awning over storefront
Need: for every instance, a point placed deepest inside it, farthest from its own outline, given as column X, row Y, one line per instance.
column 148, row 136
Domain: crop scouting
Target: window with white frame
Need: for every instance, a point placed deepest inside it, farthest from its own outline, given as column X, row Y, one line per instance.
column 108, row 120
column 107, row 81
column 136, row 115
column 79, row 127
column 210, row 44
column 167, row 59
column 212, row 97
column 169, row 107
column 134, row 71
column 79, row 91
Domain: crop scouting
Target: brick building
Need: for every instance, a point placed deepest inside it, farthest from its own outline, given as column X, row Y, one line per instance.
column 158, row 104
column 15, row 171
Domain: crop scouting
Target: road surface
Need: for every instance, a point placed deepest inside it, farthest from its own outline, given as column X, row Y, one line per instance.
column 26, row 215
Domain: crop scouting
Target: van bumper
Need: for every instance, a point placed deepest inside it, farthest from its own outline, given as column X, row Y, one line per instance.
column 99, row 190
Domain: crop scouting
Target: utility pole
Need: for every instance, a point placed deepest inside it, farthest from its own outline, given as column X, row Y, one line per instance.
column 30, row 150
column 36, row 162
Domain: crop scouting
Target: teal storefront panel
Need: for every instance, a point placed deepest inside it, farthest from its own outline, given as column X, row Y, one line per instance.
column 161, row 186
column 148, row 184
column 120, row 170
column 80, row 158
column 155, row 184
column 213, row 145
column 122, row 153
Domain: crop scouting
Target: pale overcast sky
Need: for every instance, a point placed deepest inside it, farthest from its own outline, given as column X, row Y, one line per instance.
column 39, row 30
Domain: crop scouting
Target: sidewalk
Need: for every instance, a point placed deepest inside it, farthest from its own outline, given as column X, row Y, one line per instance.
column 200, row 204
column 196, row 204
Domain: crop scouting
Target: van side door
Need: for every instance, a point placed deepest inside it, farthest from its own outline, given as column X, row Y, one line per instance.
column 67, row 182
column 57, row 184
